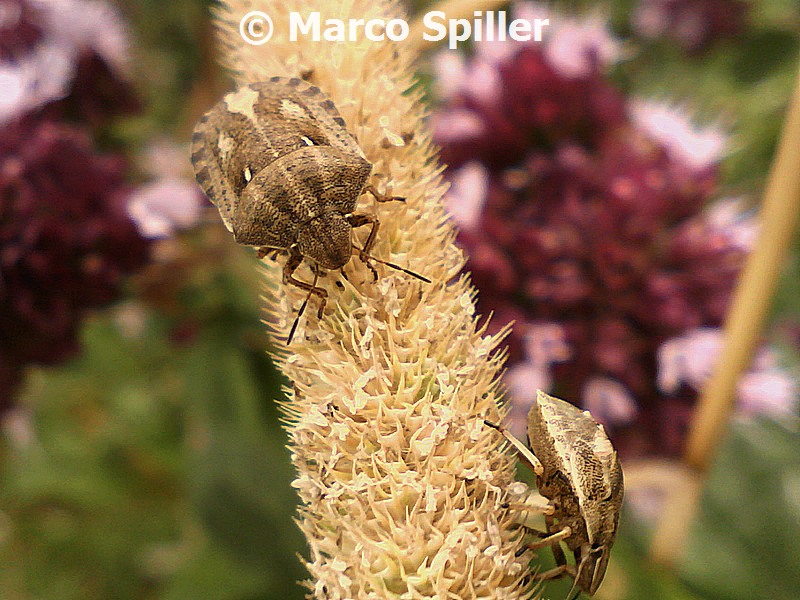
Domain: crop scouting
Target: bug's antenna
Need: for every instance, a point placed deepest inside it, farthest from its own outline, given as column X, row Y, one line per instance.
column 391, row 264
column 302, row 308
column 575, row 591
column 522, row 451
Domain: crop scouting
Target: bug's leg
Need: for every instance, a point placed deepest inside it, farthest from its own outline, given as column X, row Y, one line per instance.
column 562, row 567
column 558, row 552
column 543, row 508
column 546, row 539
column 267, row 251
column 577, row 577
column 382, row 197
column 524, row 453
column 295, row 259
column 554, row 573
column 303, row 309
column 359, row 220
column 553, row 540
column 363, row 219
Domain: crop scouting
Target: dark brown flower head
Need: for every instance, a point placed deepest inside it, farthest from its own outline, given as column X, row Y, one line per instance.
column 537, row 107
column 20, row 29
column 69, row 58
column 66, row 241
column 584, row 216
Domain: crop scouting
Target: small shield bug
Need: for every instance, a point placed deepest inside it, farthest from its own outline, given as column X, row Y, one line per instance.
column 578, row 472
column 277, row 160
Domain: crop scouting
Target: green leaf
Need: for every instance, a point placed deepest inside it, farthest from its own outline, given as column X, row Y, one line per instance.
column 240, row 474
column 746, row 541
column 213, row 575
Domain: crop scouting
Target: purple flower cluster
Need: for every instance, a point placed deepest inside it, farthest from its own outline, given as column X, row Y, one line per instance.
column 695, row 25
column 21, row 29
column 66, row 240
column 68, row 57
column 584, row 217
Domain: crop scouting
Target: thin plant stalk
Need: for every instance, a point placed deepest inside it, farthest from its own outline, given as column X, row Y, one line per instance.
column 752, row 299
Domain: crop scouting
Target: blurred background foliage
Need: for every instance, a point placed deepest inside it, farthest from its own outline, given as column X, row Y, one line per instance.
column 149, row 463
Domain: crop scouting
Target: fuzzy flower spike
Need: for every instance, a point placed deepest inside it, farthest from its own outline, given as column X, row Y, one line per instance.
column 402, row 486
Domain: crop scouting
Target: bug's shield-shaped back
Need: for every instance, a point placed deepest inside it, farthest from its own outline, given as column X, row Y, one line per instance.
column 273, row 155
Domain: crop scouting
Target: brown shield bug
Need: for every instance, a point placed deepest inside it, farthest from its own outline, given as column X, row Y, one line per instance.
column 277, row 160
column 578, row 472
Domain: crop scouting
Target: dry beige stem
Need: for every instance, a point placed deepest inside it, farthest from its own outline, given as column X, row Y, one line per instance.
column 401, row 483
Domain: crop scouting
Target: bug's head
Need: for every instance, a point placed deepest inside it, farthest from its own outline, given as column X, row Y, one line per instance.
column 591, row 557
column 591, row 561
column 326, row 240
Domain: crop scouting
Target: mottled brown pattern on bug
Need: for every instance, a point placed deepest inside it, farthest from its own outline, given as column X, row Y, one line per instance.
column 276, row 159
column 271, row 185
column 579, row 473
column 582, row 477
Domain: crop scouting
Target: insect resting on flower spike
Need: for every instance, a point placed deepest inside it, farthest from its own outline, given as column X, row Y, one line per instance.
column 578, row 472
column 277, row 160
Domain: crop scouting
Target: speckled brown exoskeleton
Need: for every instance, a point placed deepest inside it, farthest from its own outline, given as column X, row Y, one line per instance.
column 578, row 472
column 277, row 160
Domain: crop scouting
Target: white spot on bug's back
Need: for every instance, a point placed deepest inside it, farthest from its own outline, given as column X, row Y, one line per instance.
column 602, row 445
column 307, row 141
column 243, row 101
column 292, row 110
column 248, row 174
column 225, row 145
